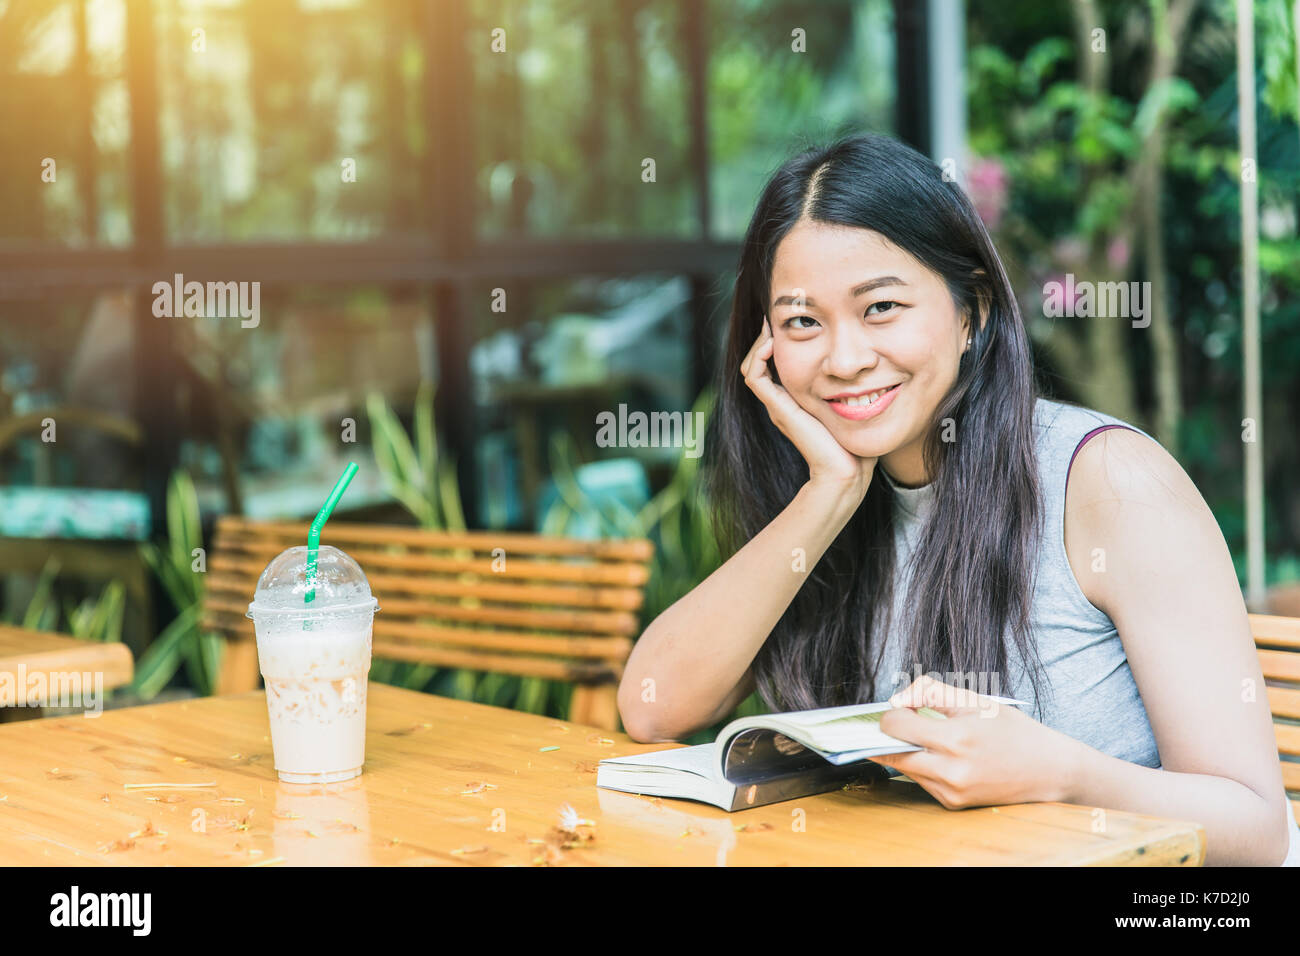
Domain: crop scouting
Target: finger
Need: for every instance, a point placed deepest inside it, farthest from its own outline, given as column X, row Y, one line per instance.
column 763, row 334
column 780, row 405
column 920, row 765
column 926, row 770
column 759, row 355
column 951, row 701
column 760, row 382
column 758, row 367
column 929, row 771
column 907, row 725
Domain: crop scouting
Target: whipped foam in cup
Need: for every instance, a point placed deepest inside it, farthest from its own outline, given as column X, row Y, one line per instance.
column 315, row 661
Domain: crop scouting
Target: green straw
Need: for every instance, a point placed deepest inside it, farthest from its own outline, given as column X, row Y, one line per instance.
column 313, row 536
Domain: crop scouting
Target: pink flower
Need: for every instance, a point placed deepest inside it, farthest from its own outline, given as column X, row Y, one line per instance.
column 1061, row 293
column 1117, row 254
column 987, row 183
column 1069, row 251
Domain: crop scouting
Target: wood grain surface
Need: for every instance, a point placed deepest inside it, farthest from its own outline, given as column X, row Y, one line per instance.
column 453, row 783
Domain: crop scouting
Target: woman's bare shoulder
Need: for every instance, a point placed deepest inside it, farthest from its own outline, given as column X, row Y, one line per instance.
column 1121, row 486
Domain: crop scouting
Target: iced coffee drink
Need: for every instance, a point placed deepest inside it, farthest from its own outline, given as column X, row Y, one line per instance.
column 315, row 658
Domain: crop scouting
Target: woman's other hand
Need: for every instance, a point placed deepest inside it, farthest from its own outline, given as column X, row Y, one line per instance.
column 984, row 754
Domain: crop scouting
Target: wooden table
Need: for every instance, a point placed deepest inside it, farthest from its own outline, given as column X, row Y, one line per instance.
column 32, row 662
column 449, row 782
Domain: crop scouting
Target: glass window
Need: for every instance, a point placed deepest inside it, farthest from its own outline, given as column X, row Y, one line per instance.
column 287, row 399
column 64, row 141
column 581, row 119
column 563, row 353
column 289, row 120
column 782, row 71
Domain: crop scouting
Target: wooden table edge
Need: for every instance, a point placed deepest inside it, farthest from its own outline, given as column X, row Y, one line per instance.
column 1174, row 843
column 111, row 658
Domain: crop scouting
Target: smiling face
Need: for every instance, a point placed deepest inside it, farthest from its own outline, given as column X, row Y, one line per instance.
column 852, row 314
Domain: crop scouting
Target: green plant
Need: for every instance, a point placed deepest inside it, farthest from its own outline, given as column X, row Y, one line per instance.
column 423, row 479
column 42, row 614
column 177, row 563
column 99, row 619
column 676, row 519
column 417, row 473
column 94, row 619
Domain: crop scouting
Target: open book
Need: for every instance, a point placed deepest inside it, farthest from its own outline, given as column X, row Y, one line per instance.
column 767, row 758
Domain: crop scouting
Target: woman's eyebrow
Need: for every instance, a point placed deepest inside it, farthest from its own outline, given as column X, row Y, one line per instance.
column 868, row 286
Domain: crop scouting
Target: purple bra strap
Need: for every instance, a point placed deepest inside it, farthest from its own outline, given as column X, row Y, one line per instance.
column 1100, row 428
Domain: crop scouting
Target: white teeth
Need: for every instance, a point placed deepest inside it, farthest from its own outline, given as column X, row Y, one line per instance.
column 869, row 399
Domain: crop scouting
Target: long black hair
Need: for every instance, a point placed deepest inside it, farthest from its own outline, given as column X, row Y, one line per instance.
column 972, row 580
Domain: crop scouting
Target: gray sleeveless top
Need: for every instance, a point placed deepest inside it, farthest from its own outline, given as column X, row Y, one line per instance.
column 1092, row 695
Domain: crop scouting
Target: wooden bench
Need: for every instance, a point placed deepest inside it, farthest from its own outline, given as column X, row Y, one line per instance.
column 1277, row 640
column 507, row 603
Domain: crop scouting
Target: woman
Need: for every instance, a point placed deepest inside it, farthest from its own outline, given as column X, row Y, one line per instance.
column 892, row 491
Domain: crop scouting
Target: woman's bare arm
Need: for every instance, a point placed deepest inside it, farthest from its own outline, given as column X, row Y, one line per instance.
column 692, row 665
column 1170, row 588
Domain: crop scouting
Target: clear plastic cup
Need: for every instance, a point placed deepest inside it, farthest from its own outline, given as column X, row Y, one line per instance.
column 315, row 662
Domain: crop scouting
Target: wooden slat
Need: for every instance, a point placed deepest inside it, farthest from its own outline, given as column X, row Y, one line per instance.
column 574, row 601
column 344, row 533
column 1275, row 631
column 594, row 705
column 542, row 619
column 226, row 626
column 1280, row 665
column 1291, row 775
column 599, row 648
column 1288, row 739
column 567, row 570
column 552, row 669
column 1284, row 702
column 242, row 586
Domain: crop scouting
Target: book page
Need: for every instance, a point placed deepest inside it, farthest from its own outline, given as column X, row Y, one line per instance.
column 811, row 718
column 698, row 760
column 856, row 731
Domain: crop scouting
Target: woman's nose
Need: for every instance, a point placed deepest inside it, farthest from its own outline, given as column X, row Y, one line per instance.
column 850, row 353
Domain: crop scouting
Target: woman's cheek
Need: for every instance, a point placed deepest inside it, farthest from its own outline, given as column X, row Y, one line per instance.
column 779, row 367
column 787, row 370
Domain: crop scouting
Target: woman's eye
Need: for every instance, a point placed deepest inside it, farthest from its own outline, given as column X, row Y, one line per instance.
column 796, row 318
column 885, row 306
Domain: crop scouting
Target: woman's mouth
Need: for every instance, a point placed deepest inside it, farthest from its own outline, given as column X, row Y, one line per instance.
column 867, row 406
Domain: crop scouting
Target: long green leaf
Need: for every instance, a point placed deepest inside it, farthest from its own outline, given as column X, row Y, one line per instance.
column 463, row 684
column 493, row 687
column 400, row 445
column 210, row 650
column 113, row 630
column 178, row 589
column 159, row 663
column 553, row 522
column 418, row 677
column 426, row 435
column 37, row 616
column 388, row 440
column 449, row 489
column 532, row 695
